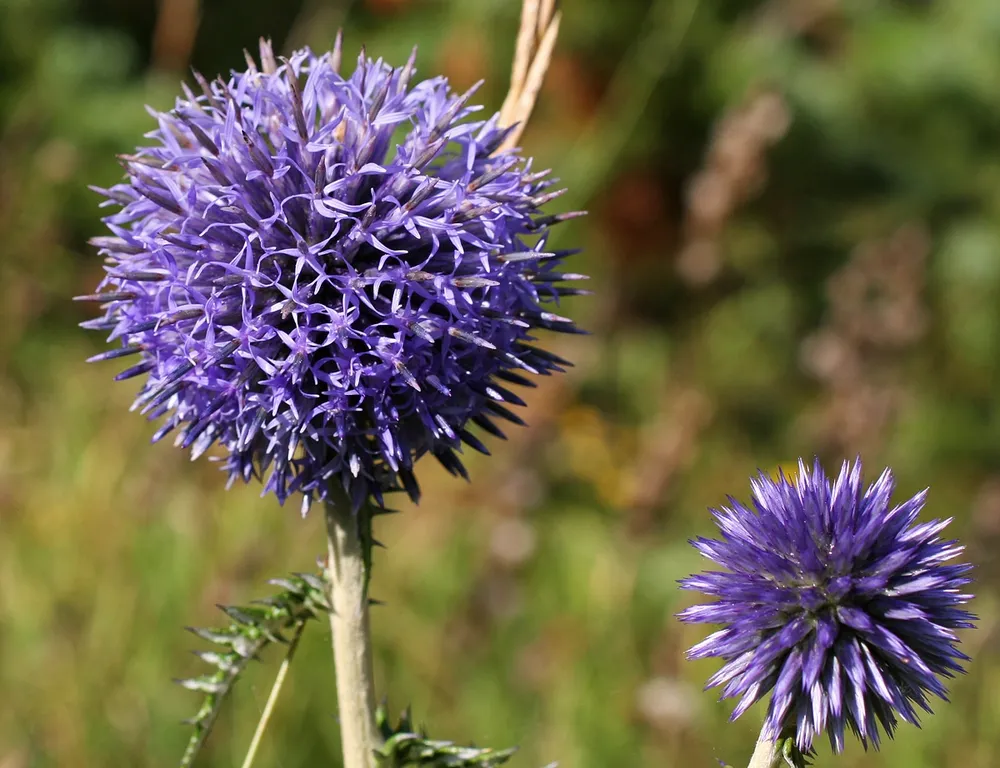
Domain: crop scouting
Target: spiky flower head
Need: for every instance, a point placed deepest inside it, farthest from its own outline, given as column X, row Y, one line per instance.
column 328, row 276
column 842, row 605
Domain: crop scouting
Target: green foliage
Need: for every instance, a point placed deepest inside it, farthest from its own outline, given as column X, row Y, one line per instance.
column 253, row 628
column 256, row 626
column 406, row 748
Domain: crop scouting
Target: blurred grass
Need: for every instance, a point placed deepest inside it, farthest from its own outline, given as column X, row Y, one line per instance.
column 795, row 244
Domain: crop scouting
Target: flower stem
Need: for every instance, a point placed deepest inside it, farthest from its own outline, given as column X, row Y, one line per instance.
column 776, row 753
column 766, row 754
column 352, row 653
column 279, row 681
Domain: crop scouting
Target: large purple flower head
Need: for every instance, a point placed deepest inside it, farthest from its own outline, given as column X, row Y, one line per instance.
column 842, row 605
column 329, row 276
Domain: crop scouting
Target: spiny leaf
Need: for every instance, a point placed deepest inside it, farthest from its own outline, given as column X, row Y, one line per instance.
column 252, row 629
column 204, row 684
column 403, row 747
column 221, row 661
column 312, row 581
column 247, row 615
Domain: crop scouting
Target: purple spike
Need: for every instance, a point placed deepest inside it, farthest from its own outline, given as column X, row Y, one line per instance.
column 818, row 601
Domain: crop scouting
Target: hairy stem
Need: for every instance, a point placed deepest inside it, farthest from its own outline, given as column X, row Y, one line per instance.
column 778, row 752
column 766, row 754
column 272, row 699
column 352, row 653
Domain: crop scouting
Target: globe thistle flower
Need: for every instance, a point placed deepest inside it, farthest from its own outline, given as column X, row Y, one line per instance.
column 841, row 605
column 329, row 276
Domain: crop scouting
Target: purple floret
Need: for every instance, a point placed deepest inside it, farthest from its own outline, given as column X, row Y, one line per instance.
column 327, row 276
column 841, row 605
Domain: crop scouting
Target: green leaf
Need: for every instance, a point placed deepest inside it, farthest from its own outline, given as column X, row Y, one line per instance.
column 403, row 747
column 253, row 628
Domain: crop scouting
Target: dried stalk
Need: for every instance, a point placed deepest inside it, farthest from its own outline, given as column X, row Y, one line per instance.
column 174, row 35
column 536, row 40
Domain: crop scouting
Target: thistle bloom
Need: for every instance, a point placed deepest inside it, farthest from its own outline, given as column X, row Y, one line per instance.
column 841, row 604
column 328, row 276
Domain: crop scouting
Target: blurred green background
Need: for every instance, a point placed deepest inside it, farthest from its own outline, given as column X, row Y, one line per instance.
column 795, row 246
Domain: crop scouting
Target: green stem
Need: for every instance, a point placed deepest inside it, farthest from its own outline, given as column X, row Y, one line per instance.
column 352, row 652
column 272, row 699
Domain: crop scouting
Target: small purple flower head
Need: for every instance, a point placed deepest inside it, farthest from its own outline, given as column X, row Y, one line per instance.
column 329, row 276
column 839, row 603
